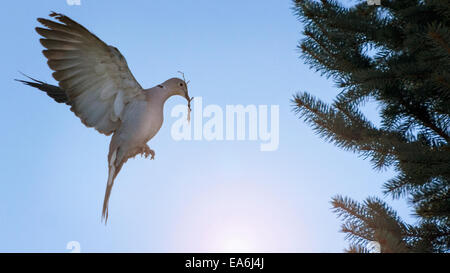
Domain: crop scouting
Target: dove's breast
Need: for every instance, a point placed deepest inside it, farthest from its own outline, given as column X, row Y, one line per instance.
column 141, row 121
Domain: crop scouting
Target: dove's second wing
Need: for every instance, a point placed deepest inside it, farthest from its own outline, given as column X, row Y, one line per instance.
column 95, row 76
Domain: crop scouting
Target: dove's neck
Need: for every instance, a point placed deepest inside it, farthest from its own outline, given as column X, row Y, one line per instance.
column 159, row 95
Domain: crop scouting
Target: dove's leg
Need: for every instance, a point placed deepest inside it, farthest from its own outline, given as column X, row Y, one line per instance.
column 146, row 151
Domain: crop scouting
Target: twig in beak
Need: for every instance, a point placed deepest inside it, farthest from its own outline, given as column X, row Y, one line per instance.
column 187, row 97
column 189, row 109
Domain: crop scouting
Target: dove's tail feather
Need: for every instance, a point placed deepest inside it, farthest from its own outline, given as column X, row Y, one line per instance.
column 115, row 165
column 118, row 155
column 52, row 91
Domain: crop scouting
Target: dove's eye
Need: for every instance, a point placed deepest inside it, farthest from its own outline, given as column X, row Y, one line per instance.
column 181, row 84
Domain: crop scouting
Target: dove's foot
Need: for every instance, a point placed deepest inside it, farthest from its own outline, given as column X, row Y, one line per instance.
column 153, row 154
column 146, row 151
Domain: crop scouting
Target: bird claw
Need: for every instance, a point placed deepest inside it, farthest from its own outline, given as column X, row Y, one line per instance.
column 146, row 151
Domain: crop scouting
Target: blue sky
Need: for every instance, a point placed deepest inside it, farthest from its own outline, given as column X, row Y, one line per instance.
column 196, row 196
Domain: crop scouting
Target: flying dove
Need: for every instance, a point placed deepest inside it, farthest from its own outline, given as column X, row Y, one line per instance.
column 95, row 81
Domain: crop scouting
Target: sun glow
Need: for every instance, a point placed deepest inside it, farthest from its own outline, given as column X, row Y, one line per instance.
column 238, row 218
column 236, row 245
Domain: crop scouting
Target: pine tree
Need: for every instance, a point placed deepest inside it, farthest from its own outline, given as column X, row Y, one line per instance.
column 398, row 55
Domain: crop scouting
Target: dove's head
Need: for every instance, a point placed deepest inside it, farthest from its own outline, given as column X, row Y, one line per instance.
column 177, row 87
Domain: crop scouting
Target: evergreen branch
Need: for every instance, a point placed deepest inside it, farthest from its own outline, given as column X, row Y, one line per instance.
column 399, row 56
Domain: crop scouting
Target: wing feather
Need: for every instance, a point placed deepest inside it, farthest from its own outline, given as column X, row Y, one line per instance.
column 59, row 65
column 56, row 54
column 58, row 35
column 95, row 76
column 58, row 44
column 67, row 73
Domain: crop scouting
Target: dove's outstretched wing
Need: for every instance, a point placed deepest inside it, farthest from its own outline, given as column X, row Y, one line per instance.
column 94, row 76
